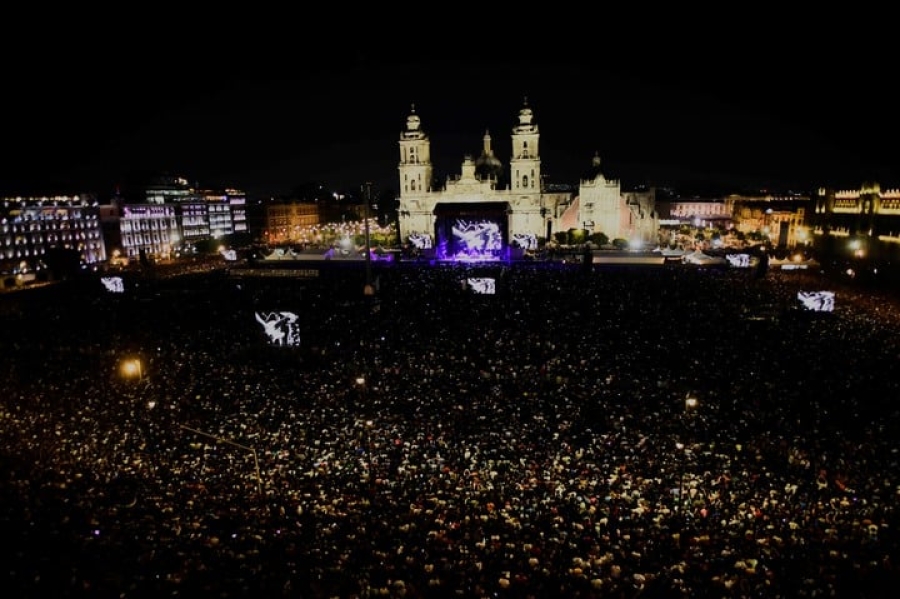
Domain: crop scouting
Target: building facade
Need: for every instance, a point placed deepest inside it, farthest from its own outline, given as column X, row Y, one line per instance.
column 33, row 227
column 868, row 211
column 174, row 216
column 475, row 212
column 863, row 223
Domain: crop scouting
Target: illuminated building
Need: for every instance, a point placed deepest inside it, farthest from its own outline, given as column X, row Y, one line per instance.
column 287, row 222
column 700, row 213
column 866, row 212
column 149, row 230
column 781, row 219
column 30, row 227
column 174, row 216
column 480, row 196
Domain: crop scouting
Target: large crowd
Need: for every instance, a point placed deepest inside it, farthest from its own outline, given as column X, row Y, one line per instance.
column 428, row 441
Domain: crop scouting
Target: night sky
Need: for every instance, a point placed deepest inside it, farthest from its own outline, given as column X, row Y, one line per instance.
column 695, row 118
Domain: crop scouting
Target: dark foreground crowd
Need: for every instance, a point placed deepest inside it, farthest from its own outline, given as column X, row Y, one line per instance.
column 432, row 442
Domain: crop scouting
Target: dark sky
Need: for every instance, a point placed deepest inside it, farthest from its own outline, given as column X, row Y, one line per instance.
column 694, row 118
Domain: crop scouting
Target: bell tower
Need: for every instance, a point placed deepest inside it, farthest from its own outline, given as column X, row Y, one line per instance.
column 525, row 164
column 415, row 157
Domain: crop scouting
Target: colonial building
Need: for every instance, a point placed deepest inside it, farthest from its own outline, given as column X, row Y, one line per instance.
column 868, row 211
column 863, row 222
column 779, row 218
column 481, row 214
column 32, row 227
column 174, row 216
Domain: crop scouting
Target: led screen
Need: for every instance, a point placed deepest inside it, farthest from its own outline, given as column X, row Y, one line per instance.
column 420, row 241
column 113, row 284
column 476, row 236
column 816, row 301
column 281, row 328
column 527, row 241
column 738, row 260
column 482, row 285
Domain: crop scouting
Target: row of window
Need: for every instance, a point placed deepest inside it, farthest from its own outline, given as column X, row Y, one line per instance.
column 22, row 227
column 148, row 225
column 38, row 239
column 90, row 253
column 138, row 239
column 38, row 216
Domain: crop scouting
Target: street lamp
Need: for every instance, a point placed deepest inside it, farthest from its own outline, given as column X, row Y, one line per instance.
column 363, row 388
column 690, row 403
column 133, row 368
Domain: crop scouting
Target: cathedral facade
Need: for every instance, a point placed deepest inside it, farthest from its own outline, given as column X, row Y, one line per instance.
column 475, row 214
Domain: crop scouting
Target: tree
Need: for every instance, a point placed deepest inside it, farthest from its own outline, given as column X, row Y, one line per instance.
column 63, row 263
column 600, row 239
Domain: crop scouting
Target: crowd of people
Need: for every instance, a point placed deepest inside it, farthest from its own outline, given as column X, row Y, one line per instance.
column 620, row 432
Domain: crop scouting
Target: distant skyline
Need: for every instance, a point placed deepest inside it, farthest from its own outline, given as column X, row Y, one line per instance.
column 755, row 125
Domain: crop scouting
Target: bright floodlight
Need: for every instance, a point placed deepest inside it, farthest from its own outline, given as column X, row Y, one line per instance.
column 690, row 403
column 360, row 380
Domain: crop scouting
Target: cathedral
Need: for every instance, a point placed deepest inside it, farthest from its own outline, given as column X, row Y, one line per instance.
column 490, row 211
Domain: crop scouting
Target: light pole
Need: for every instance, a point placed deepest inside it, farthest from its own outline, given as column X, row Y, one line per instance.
column 682, row 459
column 368, row 289
column 690, row 406
column 363, row 389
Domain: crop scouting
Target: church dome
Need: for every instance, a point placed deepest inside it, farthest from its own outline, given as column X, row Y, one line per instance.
column 487, row 165
column 594, row 171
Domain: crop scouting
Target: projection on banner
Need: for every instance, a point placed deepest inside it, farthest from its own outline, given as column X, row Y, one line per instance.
column 482, row 285
column 113, row 284
column 281, row 328
column 738, row 260
column 816, row 301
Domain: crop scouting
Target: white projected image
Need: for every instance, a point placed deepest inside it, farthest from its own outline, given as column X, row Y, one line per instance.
column 229, row 255
column 113, row 284
column 482, row 285
column 738, row 260
column 817, row 301
column 527, row 241
column 420, row 241
column 477, row 235
column 281, row 328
